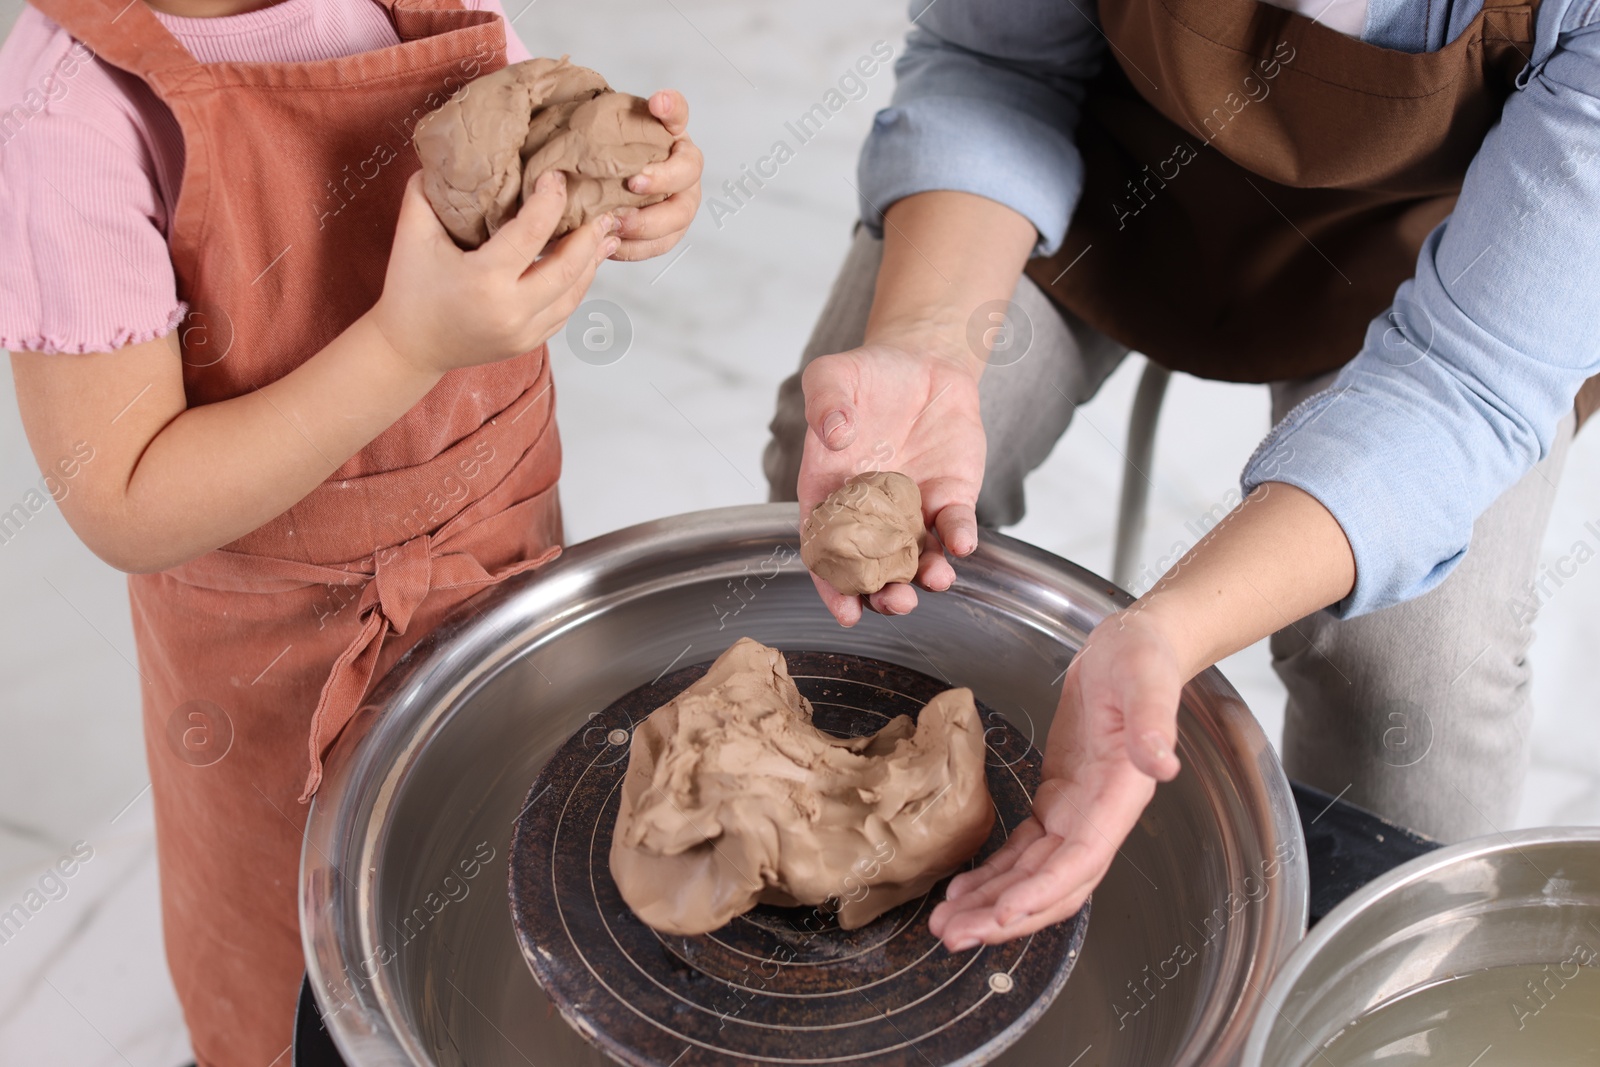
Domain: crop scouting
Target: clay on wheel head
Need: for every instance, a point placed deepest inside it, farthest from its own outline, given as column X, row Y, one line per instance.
column 733, row 798
column 484, row 148
column 867, row 534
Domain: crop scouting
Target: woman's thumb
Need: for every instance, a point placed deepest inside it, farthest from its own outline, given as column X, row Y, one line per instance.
column 1150, row 715
column 830, row 405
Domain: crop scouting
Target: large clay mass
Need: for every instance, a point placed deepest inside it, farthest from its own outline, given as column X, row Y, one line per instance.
column 484, row 148
column 866, row 534
column 733, row 798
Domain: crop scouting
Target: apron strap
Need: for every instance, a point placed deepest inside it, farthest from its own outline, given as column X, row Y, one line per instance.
column 127, row 34
column 124, row 33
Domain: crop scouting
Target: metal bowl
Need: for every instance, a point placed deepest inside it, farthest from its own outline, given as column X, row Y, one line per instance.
column 1525, row 897
column 404, row 910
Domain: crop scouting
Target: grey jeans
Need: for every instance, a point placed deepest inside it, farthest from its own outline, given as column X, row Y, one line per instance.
column 1419, row 712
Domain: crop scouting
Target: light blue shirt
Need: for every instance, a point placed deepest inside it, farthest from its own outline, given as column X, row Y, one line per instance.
column 1459, row 387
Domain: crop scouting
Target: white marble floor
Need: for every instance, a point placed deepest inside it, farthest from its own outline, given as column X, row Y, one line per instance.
column 675, row 425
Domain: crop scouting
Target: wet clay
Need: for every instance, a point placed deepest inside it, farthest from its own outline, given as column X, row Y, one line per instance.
column 484, row 148
column 866, row 534
column 733, row 798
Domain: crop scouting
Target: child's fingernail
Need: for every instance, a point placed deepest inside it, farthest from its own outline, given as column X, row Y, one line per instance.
column 609, row 246
column 609, row 224
column 639, row 183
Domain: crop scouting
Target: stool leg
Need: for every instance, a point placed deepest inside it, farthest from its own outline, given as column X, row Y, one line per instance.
column 1136, row 470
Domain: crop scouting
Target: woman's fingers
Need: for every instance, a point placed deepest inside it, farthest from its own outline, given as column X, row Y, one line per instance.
column 1003, row 859
column 975, row 911
column 983, row 930
column 978, row 887
column 958, row 529
column 977, row 899
column 983, row 894
column 1024, row 863
column 1058, row 866
column 1060, row 886
column 846, row 609
column 896, row 598
column 934, row 572
column 1072, row 864
column 1087, row 830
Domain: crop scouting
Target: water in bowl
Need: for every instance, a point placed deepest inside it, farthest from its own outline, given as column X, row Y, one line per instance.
column 1537, row 1014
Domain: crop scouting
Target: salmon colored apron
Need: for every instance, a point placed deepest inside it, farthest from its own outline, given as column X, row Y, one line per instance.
column 1257, row 185
column 255, row 656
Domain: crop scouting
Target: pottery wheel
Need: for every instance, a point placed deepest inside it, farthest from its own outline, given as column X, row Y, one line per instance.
column 775, row 985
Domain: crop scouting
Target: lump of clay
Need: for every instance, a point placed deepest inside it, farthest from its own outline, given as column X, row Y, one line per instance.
column 484, row 148
column 733, row 798
column 866, row 534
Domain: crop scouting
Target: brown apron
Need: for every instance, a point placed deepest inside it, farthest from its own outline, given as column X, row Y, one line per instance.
column 1258, row 185
column 255, row 656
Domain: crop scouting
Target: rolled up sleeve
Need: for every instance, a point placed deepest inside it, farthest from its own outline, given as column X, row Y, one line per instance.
column 1460, row 386
column 986, row 101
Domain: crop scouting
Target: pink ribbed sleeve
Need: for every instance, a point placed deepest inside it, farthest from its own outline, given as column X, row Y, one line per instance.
column 84, row 263
column 90, row 165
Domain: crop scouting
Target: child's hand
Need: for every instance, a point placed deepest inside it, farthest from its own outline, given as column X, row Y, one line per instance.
column 443, row 308
column 1112, row 740
column 652, row 230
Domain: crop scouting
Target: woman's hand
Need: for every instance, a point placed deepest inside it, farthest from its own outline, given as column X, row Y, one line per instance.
column 1278, row 556
column 900, row 407
column 443, row 308
column 1111, row 742
column 907, row 399
column 654, row 230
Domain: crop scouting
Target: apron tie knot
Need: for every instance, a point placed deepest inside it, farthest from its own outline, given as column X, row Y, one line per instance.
column 402, row 577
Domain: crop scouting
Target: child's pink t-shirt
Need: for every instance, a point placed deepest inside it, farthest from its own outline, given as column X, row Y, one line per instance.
column 90, row 163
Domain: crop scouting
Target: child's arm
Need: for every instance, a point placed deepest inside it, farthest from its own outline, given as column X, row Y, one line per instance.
column 1276, row 558
column 168, row 483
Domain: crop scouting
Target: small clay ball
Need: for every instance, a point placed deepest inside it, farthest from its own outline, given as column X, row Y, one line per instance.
column 867, row 534
column 485, row 147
